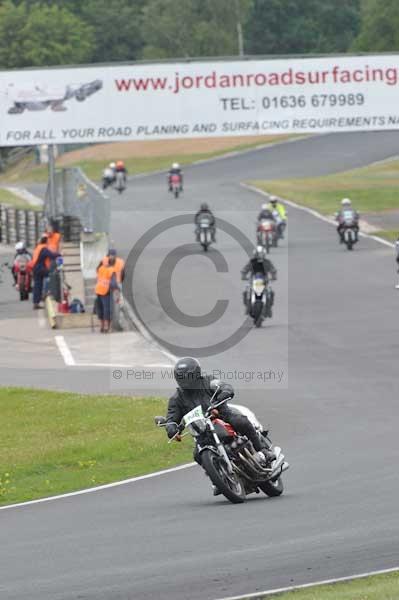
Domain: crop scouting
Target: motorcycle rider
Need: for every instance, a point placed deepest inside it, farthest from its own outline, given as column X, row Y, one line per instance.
column 21, row 255
column 275, row 205
column 120, row 168
column 175, row 170
column 195, row 389
column 265, row 213
column 205, row 211
column 346, row 205
column 109, row 174
column 260, row 265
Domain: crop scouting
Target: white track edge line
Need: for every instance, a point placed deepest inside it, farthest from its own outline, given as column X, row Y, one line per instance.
column 314, row 213
column 65, row 351
column 309, row 585
column 99, row 487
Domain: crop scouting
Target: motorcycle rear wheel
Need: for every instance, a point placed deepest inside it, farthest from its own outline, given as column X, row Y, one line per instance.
column 229, row 485
column 272, row 488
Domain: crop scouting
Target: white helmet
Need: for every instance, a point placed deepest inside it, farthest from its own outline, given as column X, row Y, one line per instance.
column 112, row 165
column 19, row 246
column 346, row 202
column 175, row 166
column 273, row 199
column 259, row 252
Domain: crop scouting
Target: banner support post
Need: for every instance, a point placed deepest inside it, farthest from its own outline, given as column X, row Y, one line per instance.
column 51, row 180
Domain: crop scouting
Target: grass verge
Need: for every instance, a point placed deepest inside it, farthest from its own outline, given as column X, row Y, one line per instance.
column 135, row 164
column 7, row 197
column 372, row 189
column 377, row 587
column 53, row 442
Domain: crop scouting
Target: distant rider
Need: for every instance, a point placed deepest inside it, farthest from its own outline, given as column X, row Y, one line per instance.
column 121, row 168
column 341, row 218
column 397, row 256
column 175, row 170
column 205, row 212
column 275, row 205
column 21, row 256
column 259, row 264
column 265, row 213
column 195, row 389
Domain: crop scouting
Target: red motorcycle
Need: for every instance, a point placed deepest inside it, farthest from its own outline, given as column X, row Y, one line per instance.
column 23, row 273
column 266, row 234
column 175, row 184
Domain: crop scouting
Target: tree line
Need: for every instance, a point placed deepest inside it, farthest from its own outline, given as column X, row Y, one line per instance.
column 56, row 32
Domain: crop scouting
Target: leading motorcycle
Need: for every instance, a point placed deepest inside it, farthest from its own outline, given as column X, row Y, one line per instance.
column 258, row 298
column 228, row 458
column 349, row 225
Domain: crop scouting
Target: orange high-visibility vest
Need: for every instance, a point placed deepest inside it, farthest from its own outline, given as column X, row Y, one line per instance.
column 36, row 254
column 117, row 267
column 54, row 240
column 104, row 276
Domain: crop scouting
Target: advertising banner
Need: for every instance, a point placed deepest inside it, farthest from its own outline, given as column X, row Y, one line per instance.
column 199, row 99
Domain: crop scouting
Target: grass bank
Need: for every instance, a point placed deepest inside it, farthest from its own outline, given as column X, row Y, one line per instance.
column 54, row 442
column 378, row 587
column 7, row 197
column 140, row 157
column 372, row 189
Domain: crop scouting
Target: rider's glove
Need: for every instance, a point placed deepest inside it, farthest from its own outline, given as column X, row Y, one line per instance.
column 171, row 430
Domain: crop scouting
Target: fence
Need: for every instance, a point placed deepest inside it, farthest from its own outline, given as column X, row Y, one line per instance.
column 76, row 196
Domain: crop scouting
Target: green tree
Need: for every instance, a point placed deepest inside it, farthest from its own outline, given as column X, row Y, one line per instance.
column 117, row 28
column 42, row 35
column 302, row 26
column 189, row 28
column 380, row 26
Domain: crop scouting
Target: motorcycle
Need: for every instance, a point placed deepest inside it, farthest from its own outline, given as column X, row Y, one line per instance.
column 23, row 273
column 120, row 183
column 280, row 225
column 228, row 458
column 349, row 233
column 175, row 184
column 259, row 299
column 204, row 234
column 266, row 234
column 108, row 178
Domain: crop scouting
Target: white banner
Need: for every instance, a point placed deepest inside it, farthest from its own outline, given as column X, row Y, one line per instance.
column 199, row 99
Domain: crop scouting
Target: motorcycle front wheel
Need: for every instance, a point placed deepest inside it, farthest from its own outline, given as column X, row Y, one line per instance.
column 272, row 488
column 228, row 484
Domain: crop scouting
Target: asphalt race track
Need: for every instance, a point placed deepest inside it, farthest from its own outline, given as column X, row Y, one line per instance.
column 335, row 413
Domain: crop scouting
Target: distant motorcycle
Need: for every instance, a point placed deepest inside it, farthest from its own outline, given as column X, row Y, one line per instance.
column 229, row 458
column 108, row 178
column 259, row 299
column 205, row 236
column 266, row 234
column 349, row 225
column 175, row 184
column 120, row 184
column 23, row 273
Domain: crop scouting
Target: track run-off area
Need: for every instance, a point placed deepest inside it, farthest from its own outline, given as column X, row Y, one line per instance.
column 333, row 336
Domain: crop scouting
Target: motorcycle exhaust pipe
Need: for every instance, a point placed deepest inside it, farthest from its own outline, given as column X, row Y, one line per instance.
column 279, row 468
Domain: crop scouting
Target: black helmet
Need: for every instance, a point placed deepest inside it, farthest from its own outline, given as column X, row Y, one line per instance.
column 187, row 372
column 204, row 206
